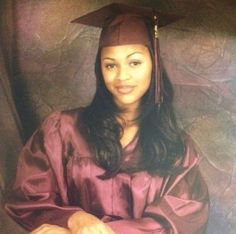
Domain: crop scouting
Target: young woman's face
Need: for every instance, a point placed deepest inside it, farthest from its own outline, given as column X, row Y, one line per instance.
column 127, row 72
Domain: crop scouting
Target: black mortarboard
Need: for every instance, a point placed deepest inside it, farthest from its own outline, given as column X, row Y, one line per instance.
column 124, row 24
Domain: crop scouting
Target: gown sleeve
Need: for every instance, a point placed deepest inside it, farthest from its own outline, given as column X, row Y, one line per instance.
column 182, row 207
column 39, row 194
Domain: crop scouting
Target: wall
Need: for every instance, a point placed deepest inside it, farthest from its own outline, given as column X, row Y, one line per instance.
column 54, row 70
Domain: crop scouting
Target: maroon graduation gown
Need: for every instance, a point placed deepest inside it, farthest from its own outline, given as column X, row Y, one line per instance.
column 56, row 176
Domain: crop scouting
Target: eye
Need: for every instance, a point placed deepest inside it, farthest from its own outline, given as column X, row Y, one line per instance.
column 135, row 63
column 110, row 66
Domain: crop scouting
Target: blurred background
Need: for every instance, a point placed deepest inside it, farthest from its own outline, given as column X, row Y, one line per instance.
column 47, row 64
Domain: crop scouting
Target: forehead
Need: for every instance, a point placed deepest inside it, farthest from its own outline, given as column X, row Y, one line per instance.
column 124, row 50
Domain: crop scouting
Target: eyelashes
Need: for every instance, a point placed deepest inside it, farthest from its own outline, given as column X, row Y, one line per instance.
column 135, row 63
column 110, row 66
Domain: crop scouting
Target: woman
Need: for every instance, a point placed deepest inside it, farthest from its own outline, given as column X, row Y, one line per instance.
column 120, row 165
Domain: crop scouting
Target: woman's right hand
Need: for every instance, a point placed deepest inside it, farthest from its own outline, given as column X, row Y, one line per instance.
column 85, row 223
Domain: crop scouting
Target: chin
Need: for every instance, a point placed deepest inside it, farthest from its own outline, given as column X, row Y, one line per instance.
column 128, row 103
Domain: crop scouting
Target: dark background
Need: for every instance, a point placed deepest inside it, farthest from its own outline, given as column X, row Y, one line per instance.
column 47, row 64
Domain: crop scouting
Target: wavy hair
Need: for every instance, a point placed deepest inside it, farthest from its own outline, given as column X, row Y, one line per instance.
column 160, row 139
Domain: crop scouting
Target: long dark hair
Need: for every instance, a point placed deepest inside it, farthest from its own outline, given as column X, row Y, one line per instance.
column 160, row 139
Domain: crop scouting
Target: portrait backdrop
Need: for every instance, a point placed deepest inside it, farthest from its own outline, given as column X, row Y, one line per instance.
column 47, row 64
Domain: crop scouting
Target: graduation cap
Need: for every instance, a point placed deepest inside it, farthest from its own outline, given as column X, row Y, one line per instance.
column 125, row 24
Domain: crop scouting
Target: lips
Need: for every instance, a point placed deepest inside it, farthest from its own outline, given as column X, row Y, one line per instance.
column 125, row 89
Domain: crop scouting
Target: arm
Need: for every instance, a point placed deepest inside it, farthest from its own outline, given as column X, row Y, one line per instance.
column 39, row 194
column 181, row 207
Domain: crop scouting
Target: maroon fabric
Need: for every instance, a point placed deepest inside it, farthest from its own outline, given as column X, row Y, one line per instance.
column 56, row 177
column 118, row 32
column 98, row 18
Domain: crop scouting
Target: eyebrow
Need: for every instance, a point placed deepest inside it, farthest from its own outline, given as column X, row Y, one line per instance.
column 136, row 52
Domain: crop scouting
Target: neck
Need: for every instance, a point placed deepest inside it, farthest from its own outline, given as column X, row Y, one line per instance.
column 130, row 125
column 128, row 118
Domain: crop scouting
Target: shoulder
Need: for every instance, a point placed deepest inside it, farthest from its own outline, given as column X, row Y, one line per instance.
column 62, row 117
column 61, row 120
column 191, row 154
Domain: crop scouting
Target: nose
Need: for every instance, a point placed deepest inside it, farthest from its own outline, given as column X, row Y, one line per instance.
column 123, row 73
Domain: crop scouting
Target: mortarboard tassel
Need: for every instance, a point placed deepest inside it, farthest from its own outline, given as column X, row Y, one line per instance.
column 157, row 65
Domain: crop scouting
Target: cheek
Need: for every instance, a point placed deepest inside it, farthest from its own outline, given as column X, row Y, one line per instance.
column 146, row 76
column 105, row 76
column 108, row 79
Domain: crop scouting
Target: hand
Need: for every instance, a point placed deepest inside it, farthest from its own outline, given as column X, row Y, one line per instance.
column 50, row 229
column 85, row 223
